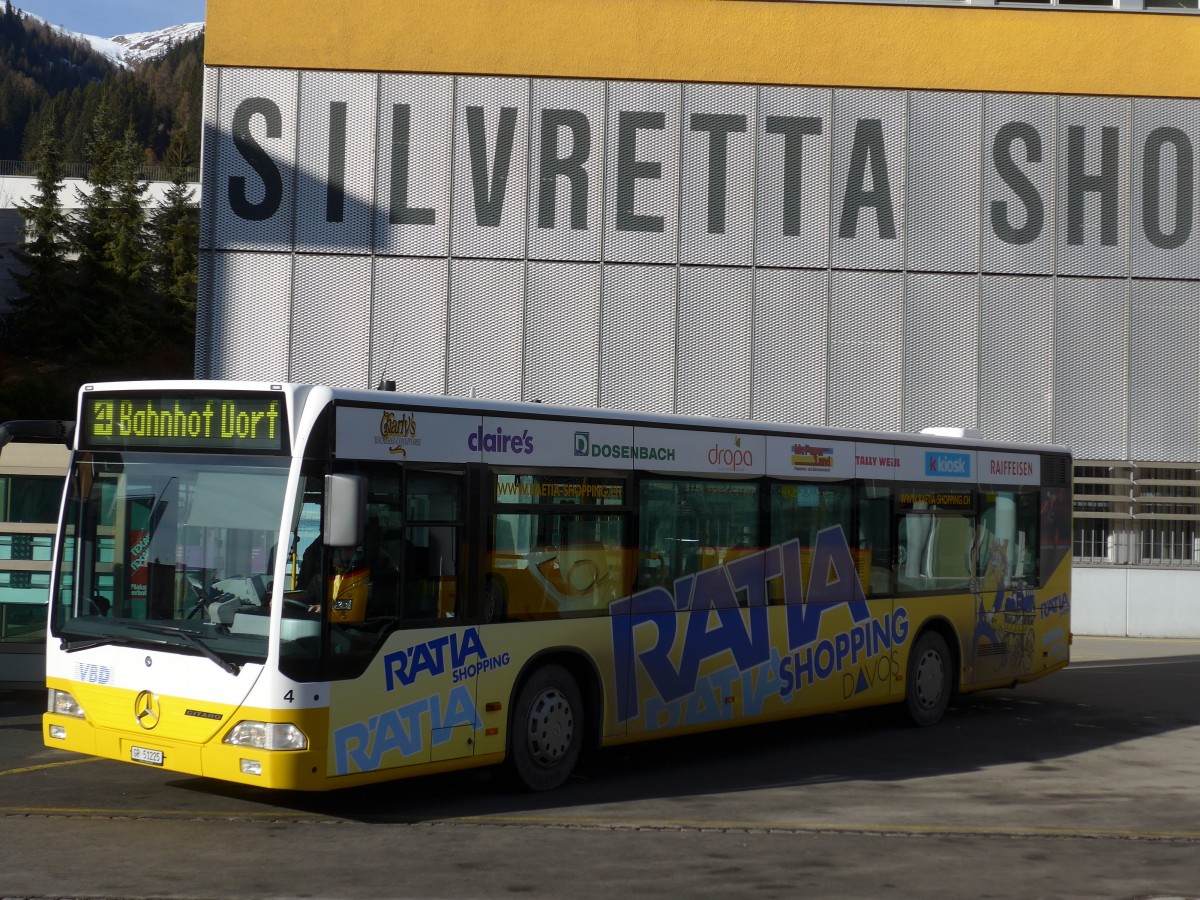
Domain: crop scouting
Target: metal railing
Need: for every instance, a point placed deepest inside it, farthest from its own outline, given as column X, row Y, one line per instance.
column 19, row 168
column 1136, row 514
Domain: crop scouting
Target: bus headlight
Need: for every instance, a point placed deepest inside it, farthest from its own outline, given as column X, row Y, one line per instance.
column 267, row 736
column 63, row 703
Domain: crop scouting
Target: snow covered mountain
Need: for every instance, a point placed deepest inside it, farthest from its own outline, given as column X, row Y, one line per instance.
column 143, row 46
column 136, row 48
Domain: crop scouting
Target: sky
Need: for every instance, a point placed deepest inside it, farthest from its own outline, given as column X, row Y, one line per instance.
column 107, row 18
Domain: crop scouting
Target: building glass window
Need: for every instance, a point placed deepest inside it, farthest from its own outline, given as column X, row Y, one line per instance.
column 23, row 598
column 30, row 498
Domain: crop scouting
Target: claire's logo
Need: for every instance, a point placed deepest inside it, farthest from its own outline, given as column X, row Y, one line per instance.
column 499, row 442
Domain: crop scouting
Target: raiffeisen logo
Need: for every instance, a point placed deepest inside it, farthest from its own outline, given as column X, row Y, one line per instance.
column 947, row 465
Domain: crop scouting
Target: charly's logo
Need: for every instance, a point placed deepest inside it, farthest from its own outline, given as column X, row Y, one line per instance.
column 398, row 431
column 147, row 710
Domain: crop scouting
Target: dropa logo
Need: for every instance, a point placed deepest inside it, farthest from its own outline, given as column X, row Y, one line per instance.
column 948, row 465
column 731, row 457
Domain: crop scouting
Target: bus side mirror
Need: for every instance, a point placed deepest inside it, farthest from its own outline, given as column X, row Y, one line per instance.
column 345, row 510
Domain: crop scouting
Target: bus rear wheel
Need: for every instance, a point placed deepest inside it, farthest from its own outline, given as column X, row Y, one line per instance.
column 547, row 729
column 930, row 679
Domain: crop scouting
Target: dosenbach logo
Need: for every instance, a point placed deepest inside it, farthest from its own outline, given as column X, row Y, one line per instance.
column 585, row 447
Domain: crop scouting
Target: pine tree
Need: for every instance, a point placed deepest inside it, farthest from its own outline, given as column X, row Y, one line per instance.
column 38, row 320
column 175, row 237
column 110, row 238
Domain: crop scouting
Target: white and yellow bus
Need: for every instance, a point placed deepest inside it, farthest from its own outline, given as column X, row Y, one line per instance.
column 310, row 588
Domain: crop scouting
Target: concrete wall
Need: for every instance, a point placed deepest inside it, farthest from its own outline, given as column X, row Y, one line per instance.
column 1135, row 602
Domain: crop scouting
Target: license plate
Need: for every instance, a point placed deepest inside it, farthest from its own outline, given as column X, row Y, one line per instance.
column 143, row 755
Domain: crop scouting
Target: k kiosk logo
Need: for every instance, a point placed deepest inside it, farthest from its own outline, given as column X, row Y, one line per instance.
column 944, row 464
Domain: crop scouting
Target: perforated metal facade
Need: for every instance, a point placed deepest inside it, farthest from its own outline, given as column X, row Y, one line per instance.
column 1024, row 264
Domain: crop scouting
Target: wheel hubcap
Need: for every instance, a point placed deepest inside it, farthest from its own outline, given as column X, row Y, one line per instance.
column 930, row 678
column 551, row 727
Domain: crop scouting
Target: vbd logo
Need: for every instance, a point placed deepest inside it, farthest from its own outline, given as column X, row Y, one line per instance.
column 93, row 674
column 947, row 465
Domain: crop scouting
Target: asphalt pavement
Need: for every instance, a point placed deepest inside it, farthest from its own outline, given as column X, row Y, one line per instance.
column 1085, row 784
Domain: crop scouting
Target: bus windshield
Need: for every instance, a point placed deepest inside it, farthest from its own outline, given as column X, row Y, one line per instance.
column 163, row 549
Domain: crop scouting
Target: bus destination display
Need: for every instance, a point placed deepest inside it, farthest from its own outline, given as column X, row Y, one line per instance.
column 241, row 422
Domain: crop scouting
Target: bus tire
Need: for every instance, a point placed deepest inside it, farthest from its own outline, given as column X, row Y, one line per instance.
column 547, row 729
column 930, row 679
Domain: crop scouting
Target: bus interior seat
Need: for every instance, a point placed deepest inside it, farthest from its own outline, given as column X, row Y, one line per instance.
column 221, row 612
column 949, row 551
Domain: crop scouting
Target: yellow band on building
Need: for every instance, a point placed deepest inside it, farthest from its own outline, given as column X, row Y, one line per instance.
column 832, row 44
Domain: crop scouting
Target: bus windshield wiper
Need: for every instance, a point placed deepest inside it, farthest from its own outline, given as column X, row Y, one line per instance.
column 191, row 640
column 73, row 646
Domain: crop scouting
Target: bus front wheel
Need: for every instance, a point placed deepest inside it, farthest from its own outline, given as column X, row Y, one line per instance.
column 930, row 679
column 547, row 729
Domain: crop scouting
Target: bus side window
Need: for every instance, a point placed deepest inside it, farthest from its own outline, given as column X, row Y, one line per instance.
column 875, row 556
column 688, row 526
column 1008, row 538
column 556, row 546
column 941, row 559
column 432, row 547
column 799, row 512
